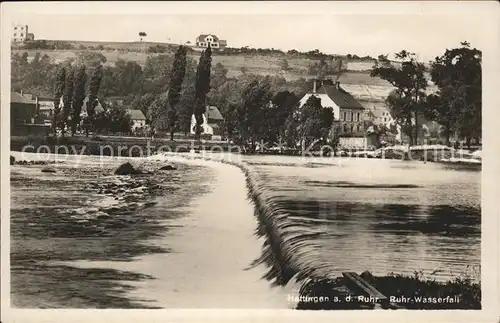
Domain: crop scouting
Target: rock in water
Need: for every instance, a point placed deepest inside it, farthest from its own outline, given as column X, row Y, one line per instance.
column 48, row 170
column 126, row 169
column 12, row 160
column 168, row 167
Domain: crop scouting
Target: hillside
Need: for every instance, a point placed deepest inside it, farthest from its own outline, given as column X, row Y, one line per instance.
column 356, row 80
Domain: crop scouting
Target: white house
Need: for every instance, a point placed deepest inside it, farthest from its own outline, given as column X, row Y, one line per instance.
column 348, row 113
column 204, row 40
column 211, row 122
column 138, row 119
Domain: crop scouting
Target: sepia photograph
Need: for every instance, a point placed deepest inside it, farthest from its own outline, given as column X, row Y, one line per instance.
column 204, row 159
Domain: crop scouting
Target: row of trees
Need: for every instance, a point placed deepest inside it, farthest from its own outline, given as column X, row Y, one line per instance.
column 70, row 91
column 169, row 89
column 456, row 105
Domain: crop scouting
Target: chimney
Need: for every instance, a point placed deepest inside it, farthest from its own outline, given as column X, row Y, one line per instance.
column 314, row 86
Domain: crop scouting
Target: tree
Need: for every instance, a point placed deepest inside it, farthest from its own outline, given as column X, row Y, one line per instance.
column 90, row 59
column 315, row 121
column 251, row 111
column 58, row 93
column 78, row 97
column 157, row 73
column 67, row 98
column 95, row 83
column 202, row 87
column 143, row 102
column 291, row 134
column 128, row 77
column 457, row 105
column 142, row 34
column 323, row 69
column 157, row 113
column 219, row 75
column 119, row 120
column 407, row 101
column 185, row 108
column 284, row 103
column 174, row 92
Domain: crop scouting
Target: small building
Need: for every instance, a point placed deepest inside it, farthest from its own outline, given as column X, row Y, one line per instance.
column 205, row 40
column 20, row 33
column 23, row 109
column 379, row 114
column 212, row 119
column 138, row 119
column 23, row 115
column 46, row 110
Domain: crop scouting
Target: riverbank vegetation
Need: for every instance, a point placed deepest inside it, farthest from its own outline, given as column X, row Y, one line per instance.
column 256, row 108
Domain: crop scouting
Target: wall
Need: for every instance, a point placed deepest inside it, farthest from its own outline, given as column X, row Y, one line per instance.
column 346, row 120
column 353, row 142
column 22, row 113
column 138, row 124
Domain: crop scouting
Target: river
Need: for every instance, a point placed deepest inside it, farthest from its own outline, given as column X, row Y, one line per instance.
column 83, row 237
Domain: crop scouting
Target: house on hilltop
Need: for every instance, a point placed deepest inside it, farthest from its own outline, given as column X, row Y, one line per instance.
column 205, row 40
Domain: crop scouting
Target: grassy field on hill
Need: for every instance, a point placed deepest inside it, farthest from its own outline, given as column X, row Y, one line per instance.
column 263, row 64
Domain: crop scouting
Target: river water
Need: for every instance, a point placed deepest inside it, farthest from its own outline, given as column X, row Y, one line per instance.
column 83, row 237
column 386, row 216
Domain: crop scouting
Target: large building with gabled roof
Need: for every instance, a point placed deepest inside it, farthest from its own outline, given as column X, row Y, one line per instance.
column 347, row 111
column 205, row 40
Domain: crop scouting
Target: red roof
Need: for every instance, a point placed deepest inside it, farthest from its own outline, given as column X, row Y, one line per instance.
column 341, row 97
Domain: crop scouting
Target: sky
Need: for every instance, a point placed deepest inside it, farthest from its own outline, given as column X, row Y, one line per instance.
column 427, row 35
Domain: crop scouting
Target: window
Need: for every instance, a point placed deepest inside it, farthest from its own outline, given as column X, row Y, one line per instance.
column 345, row 127
column 357, row 118
column 352, row 116
column 15, row 28
column 359, row 127
column 15, row 34
column 345, row 113
column 22, row 35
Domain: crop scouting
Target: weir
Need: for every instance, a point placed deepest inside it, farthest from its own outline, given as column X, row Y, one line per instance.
column 292, row 253
column 286, row 253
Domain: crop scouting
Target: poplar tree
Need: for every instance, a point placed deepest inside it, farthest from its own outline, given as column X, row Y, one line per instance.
column 95, row 83
column 58, row 93
column 67, row 98
column 78, row 97
column 202, row 87
column 174, row 92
